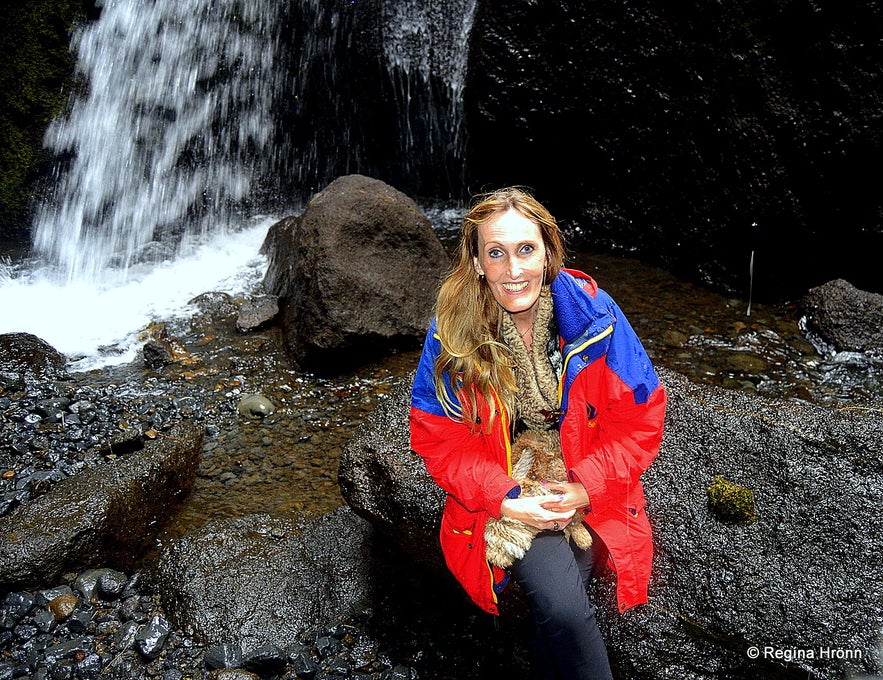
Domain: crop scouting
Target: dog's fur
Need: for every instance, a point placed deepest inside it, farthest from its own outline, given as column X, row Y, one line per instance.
column 538, row 456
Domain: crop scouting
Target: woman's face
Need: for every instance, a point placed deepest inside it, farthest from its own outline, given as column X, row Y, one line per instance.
column 512, row 257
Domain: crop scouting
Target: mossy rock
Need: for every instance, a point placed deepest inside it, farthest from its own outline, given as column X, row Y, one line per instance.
column 731, row 502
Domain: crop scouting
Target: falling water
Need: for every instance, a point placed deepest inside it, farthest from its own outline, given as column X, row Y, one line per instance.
column 426, row 47
column 169, row 136
column 378, row 89
column 191, row 113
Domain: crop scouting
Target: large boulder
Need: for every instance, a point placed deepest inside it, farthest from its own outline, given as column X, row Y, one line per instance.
column 27, row 360
column 801, row 584
column 103, row 515
column 843, row 317
column 260, row 580
column 356, row 274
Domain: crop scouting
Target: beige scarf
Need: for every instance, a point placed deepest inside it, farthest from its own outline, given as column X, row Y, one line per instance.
column 536, row 379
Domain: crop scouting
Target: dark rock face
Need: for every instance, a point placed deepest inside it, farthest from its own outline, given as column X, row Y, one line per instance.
column 691, row 134
column 356, row 274
column 844, row 317
column 386, row 483
column 104, row 514
column 806, row 574
column 256, row 312
column 257, row 580
column 26, row 360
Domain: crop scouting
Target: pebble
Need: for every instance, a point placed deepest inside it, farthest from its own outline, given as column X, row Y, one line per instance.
column 255, row 406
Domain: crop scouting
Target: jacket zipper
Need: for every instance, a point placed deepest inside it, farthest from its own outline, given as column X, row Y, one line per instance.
column 576, row 350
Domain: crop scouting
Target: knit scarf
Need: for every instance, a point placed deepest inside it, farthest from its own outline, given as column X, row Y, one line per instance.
column 535, row 377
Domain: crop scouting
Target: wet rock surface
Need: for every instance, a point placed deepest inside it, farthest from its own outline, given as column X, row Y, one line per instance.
column 287, row 577
column 809, row 567
column 26, row 360
column 839, row 316
column 356, row 274
column 105, row 514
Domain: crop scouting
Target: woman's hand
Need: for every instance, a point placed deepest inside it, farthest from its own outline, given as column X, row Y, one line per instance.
column 570, row 496
column 535, row 512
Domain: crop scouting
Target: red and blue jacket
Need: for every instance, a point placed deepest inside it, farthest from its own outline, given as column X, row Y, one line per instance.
column 612, row 411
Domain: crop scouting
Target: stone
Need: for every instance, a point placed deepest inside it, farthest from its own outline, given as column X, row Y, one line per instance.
column 150, row 639
column 222, row 656
column 356, row 273
column 158, row 353
column 258, row 580
column 63, row 606
column 838, row 316
column 810, row 568
column 26, row 360
column 255, row 406
column 103, row 515
column 256, row 312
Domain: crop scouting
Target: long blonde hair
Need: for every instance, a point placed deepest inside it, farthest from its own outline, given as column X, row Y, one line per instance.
column 473, row 357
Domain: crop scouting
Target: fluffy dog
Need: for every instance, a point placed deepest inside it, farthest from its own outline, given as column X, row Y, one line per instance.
column 538, row 456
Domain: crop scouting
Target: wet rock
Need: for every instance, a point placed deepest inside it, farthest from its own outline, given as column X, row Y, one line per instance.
column 390, row 488
column 356, row 274
column 232, row 674
column 102, row 514
column 747, row 363
column 26, row 360
column 265, row 660
column 63, row 606
column 674, row 338
column 158, row 353
column 809, row 566
column 840, row 316
column 151, row 638
column 223, row 656
column 128, row 440
column 287, row 578
column 256, row 312
column 111, row 583
column 255, row 406
column 215, row 305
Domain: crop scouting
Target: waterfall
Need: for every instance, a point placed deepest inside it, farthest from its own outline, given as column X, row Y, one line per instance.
column 193, row 114
column 168, row 137
column 377, row 88
column 426, row 48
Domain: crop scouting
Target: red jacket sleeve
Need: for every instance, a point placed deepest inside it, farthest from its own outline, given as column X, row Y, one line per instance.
column 471, row 467
column 619, row 443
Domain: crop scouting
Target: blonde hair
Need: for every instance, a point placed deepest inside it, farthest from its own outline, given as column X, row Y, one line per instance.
column 469, row 319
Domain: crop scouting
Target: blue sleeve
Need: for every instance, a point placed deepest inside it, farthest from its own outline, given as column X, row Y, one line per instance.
column 423, row 392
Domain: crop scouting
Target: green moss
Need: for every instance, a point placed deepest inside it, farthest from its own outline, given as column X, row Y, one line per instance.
column 36, row 75
column 731, row 502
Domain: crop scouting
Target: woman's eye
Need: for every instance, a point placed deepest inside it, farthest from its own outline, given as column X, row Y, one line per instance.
column 527, row 248
column 496, row 252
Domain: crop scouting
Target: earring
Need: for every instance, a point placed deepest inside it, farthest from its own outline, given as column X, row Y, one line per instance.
column 481, row 277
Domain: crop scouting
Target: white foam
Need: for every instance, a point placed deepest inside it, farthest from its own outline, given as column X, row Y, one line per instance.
column 97, row 324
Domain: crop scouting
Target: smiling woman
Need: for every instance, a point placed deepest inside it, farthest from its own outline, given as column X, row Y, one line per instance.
column 520, row 345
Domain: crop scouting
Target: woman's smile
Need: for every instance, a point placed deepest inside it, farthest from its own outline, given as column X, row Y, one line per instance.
column 512, row 258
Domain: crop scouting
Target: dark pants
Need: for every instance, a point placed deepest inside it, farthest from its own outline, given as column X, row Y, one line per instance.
column 553, row 575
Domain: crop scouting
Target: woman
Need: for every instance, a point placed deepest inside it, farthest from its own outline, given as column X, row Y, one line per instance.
column 521, row 343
